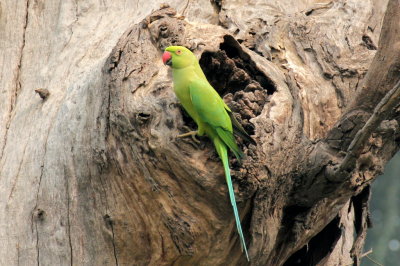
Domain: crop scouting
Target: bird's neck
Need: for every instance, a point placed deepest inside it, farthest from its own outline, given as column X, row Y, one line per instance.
column 183, row 76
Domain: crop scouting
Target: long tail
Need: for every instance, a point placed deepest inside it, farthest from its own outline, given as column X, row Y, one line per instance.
column 223, row 154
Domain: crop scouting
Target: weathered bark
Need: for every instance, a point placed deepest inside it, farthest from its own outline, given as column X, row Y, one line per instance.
column 91, row 172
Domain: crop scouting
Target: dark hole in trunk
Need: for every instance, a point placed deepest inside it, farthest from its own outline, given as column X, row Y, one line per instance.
column 318, row 247
column 236, row 77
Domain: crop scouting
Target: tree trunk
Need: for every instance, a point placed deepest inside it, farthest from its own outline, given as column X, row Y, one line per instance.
column 91, row 170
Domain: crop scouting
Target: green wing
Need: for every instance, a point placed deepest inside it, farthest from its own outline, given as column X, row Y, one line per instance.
column 238, row 130
column 211, row 109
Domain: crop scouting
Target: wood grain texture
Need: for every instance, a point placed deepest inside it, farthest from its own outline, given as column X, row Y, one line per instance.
column 94, row 175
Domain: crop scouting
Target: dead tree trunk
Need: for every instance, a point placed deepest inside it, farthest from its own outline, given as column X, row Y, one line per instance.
column 91, row 172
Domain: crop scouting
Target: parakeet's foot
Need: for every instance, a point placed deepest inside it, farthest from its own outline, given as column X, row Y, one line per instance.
column 190, row 133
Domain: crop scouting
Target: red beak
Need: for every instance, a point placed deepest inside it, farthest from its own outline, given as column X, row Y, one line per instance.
column 167, row 58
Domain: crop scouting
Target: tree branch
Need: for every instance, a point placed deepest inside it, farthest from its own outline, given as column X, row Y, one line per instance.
column 387, row 104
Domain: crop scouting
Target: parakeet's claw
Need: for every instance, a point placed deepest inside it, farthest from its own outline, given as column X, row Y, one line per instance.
column 190, row 133
column 195, row 139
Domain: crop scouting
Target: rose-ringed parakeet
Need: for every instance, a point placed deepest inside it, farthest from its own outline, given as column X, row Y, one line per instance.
column 212, row 116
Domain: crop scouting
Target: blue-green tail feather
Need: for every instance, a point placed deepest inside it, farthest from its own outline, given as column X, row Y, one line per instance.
column 223, row 154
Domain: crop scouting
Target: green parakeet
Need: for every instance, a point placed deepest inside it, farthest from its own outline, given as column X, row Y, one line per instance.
column 212, row 116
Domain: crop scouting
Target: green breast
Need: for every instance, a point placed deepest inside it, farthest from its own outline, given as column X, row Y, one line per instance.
column 182, row 78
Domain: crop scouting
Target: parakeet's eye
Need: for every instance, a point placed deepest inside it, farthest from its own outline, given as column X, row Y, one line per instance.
column 178, row 52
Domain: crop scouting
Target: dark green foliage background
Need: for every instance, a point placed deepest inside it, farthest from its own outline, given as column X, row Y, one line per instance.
column 384, row 236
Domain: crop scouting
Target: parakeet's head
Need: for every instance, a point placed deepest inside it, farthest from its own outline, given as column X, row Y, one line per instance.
column 178, row 57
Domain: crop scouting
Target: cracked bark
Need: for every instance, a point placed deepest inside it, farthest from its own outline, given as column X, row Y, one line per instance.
column 17, row 82
column 96, row 166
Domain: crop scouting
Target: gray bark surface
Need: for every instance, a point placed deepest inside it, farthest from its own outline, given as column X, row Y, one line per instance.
column 92, row 173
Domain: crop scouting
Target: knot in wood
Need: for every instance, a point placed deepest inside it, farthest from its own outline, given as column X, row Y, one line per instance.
column 165, row 28
column 108, row 220
column 39, row 215
column 142, row 118
column 43, row 93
